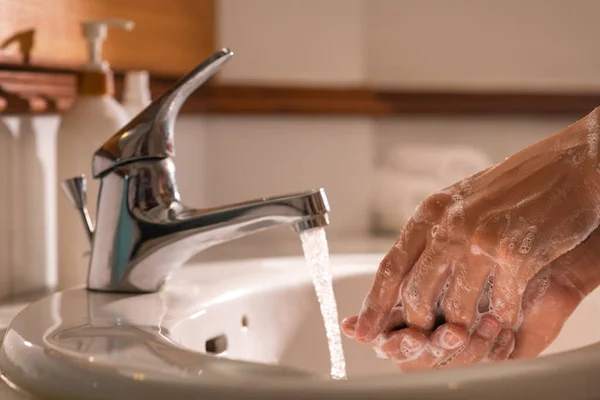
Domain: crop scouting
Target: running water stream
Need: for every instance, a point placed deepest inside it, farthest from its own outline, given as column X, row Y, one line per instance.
column 316, row 252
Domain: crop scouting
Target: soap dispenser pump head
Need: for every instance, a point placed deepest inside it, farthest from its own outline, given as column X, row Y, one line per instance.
column 95, row 32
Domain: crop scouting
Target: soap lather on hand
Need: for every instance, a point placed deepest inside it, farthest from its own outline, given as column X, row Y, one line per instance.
column 491, row 267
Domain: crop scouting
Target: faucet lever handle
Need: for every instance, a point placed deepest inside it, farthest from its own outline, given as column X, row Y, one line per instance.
column 149, row 135
column 76, row 191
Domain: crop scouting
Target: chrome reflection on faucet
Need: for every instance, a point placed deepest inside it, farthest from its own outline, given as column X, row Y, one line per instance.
column 143, row 231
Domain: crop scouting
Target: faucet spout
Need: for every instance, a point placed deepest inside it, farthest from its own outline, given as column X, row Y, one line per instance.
column 144, row 232
column 302, row 211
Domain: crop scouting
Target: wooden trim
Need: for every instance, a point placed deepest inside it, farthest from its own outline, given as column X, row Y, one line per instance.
column 26, row 89
column 36, row 91
column 230, row 99
column 492, row 102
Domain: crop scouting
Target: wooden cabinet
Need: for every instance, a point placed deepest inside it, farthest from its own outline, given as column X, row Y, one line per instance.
column 170, row 36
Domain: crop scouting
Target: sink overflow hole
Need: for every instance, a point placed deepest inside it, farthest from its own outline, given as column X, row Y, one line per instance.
column 244, row 321
column 216, row 345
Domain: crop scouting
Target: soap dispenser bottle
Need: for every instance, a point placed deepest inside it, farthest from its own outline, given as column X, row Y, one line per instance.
column 83, row 128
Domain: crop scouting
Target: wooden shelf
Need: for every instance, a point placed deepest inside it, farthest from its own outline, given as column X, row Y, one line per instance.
column 170, row 37
column 25, row 89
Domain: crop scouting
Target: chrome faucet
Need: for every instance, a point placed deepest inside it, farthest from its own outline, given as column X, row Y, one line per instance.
column 143, row 231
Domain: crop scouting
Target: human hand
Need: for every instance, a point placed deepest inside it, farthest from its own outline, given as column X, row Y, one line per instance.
column 550, row 298
column 503, row 224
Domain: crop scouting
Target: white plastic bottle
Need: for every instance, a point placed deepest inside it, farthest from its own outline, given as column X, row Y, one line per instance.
column 136, row 92
column 94, row 117
column 7, row 159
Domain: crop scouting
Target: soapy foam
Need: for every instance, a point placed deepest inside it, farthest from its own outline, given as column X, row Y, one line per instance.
column 440, row 299
column 442, row 339
column 387, row 272
column 543, row 282
column 484, row 308
column 377, row 344
column 484, row 299
column 413, row 293
column 522, row 239
column 455, row 212
column 445, row 362
column 409, row 346
column 528, row 241
column 467, row 189
column 380, row 353
column 418, row 215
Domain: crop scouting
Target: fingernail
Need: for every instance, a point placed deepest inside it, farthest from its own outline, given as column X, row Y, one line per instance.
column 451, row 340
column 410, row 343
column 488, row 328
column 363, row 329
column 348, row 327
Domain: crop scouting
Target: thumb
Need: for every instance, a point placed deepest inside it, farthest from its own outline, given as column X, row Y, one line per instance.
column 547, row 306
column 349, row 326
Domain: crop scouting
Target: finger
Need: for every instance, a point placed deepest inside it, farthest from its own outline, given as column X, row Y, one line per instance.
column 580, row 267
column 448, row 338
column 349, row 326
column 503, row 347
column 444, row 342
column 547, row 305
column 423, row 286
column 466, row 289
column 480, row 344
column 506, row 296
column 395, row 321
column 385, row 290
column 402, row 345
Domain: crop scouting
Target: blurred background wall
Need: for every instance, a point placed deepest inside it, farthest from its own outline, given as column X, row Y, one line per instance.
column 367, row 163
column 392, row 44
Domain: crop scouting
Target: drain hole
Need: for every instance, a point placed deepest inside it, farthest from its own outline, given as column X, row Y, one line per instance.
column 244, row 321
column 216, row 345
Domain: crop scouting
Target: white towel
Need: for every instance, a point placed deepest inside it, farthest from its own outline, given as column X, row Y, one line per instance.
column 446, row 164
column 396, row 195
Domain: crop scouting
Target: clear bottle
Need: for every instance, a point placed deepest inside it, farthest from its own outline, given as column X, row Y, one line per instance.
column 95, row 115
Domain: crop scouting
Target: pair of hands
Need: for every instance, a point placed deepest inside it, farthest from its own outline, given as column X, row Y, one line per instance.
column 501, row 258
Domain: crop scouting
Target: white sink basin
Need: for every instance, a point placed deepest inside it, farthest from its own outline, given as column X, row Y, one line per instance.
column 263, row 320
